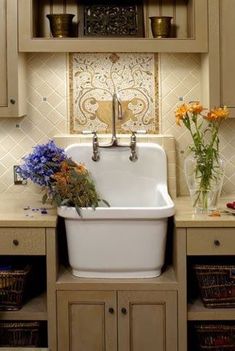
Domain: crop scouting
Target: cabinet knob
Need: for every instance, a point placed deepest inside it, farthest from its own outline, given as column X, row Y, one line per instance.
column 216, row 242
column 12, row 101
column 111, row 310
column 15, row 242
column 124, row 310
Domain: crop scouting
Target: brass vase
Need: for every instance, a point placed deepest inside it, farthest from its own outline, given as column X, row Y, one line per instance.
column 161, row 26
column 61, row 24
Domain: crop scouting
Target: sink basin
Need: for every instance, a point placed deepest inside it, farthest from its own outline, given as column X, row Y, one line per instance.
column 127, row 239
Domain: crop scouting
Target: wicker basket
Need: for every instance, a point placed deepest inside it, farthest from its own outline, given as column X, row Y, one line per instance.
column 216, row 284
column 215, row 337
column 12, row 287
column 17, row 334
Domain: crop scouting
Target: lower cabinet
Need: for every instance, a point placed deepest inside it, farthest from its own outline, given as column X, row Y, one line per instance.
column 117, row 320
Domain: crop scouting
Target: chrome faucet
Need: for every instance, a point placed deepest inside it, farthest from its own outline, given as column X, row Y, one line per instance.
column 117, row 114
column 133, row 157
column 95, row 144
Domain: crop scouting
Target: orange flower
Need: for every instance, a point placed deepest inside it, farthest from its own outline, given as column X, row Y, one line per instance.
column 195, row 107
column 64, row 167
column 181, row 113
column 80, row 168
column 217, row 114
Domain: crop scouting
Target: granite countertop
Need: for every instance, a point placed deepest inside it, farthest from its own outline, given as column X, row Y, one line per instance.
column 26, row 210
column 185, row 216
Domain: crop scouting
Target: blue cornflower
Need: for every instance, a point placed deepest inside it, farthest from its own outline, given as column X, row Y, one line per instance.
column 42, row 163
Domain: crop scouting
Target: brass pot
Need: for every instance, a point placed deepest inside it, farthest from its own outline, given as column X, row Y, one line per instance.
column 60, row 24
column 161, row 26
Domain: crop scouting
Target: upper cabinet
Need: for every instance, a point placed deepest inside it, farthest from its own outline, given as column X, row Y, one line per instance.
column 12, row 65
column 114, row 26
column 218, row 74
column 227, row 54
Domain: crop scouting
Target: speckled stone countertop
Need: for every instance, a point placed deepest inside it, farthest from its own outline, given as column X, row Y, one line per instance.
column 186, row 217
column 25, row 210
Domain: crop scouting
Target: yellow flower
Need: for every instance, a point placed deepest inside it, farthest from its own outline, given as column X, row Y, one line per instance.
column 181, row 113
column 217, row 114
column 195, row 107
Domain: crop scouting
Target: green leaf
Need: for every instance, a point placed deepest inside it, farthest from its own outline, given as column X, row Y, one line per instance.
column 78, row 210
column 105, row 202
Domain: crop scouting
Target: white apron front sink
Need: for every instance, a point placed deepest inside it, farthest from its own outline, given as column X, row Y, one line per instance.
column 128, row 239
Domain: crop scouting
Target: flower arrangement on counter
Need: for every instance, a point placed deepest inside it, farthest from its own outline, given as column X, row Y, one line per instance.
column 65, row 182
column 205, row 173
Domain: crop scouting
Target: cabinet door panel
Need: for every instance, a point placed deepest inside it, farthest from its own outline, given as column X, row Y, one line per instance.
column 84, row 317
column 147, row 321
column 227, row 52
column 12, row 64
column 3, row 56
column 84, row 321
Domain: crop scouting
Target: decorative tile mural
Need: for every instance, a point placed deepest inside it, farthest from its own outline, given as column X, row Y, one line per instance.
column 95, row 78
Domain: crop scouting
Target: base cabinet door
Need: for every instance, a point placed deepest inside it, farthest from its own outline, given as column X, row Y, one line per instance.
column 147, row 320
column 87, row 321
column 117, row 320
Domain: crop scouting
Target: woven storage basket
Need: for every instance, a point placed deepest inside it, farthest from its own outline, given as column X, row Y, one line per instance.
column 12, row 287
column 216, row 284
column 215, row 337
column 19, row 334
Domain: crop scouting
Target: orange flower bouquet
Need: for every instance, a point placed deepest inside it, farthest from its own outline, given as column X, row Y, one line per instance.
column 204, row 168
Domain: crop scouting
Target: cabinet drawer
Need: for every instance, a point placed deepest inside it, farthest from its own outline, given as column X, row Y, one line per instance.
column 22, row 241
column 211, row 241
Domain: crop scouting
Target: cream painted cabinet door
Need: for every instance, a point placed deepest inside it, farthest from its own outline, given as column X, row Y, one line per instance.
column 12, row 67
column 135, row 321
column 87, row 321
column 147, row 320
column 227, row 54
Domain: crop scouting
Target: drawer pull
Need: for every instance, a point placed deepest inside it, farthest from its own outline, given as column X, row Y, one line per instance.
column 15, row 242
column 111, row 310
column 216, row 242
column 124, row 310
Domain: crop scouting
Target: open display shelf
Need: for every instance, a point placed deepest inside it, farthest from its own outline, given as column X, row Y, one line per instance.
column 188, row 26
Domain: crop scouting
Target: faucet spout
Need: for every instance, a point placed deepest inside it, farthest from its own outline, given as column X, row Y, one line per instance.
column 117, row 114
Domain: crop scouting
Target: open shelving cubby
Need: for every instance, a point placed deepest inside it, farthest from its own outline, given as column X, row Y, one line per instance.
column 188, row 29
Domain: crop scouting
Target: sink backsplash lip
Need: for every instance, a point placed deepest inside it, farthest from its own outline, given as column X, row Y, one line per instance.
column 167, row 141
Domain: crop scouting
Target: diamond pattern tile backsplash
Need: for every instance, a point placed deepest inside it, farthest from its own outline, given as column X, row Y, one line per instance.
column 177, row 78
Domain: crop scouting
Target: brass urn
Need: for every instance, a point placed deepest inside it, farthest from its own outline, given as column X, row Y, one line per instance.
column 61, row 24
column 161, row 26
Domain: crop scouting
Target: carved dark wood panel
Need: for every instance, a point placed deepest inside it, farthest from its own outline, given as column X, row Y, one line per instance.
column 113, row 18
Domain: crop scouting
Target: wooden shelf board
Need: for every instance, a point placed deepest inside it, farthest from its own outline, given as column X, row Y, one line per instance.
column 110, row 45
column 35, row 309
column 166, row 281
column 197, row 311
column 24, row 348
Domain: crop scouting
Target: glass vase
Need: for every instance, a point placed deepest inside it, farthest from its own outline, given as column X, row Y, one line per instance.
column 204, row 182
